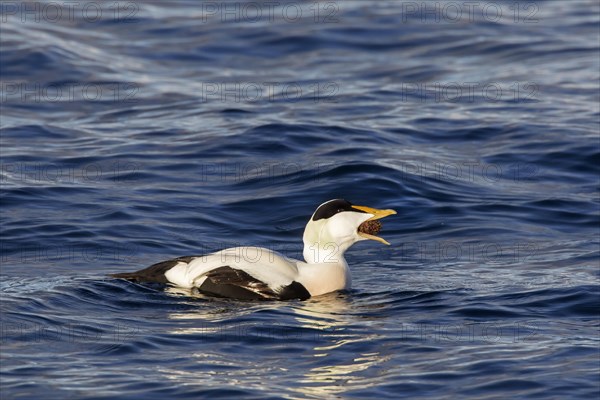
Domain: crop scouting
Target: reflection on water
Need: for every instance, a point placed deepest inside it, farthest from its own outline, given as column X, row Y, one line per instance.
column 338, row 378
column 326, row 322
column 331, row 376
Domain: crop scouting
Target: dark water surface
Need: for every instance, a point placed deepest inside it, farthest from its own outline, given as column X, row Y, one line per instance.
column 135, row 132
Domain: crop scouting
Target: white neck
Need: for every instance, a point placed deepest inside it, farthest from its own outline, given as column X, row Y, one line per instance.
column 320, row 248
column 325, row 242
column 326, row 269
column 324, row 253
column 324, row 278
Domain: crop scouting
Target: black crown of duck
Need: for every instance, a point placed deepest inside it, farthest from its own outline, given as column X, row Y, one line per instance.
column 231, row 273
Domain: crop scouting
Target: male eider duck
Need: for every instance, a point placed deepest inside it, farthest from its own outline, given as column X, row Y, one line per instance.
column 256, row 273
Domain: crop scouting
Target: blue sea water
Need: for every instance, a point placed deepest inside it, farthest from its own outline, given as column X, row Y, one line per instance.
column 134, row 132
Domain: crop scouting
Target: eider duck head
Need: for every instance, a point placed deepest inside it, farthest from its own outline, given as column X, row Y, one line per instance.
column 338, row 224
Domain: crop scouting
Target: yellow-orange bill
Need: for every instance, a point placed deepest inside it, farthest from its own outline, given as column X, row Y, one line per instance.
column 377, row 214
